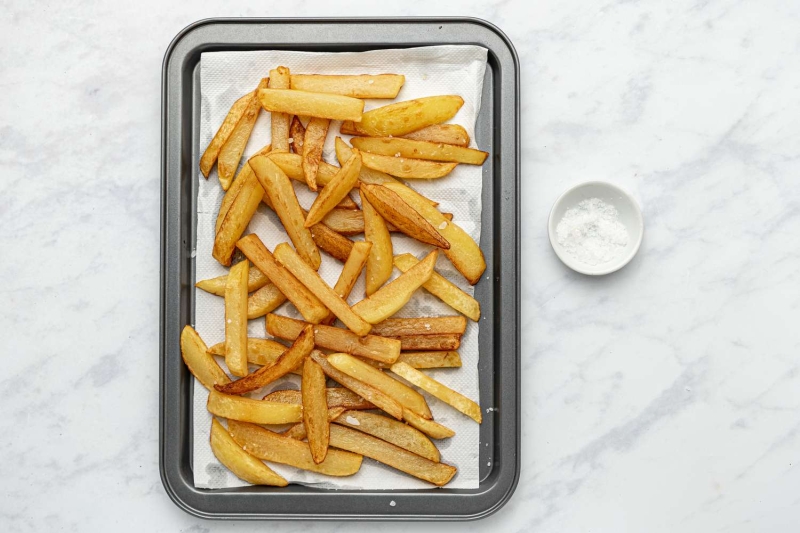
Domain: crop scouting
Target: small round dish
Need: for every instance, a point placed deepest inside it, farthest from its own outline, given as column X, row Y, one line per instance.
column 629, row 214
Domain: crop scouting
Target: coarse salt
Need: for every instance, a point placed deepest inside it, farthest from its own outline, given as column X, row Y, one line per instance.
column 591, row 232
column 353, row 421
column 443, row 224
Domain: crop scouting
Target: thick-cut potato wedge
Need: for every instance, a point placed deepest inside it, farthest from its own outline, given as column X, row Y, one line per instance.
column 445, row 341
column 337, row 245
column 198, row 361
column 298, row 431
column 441, row 391
column 292, row 166
column 391, row 431
column 276, row 448
column 331, row 106
column 335, row 191
column 238, row 461
column 235, row 407
column 379, row 268
column 264, row 300
column 432, row 429
column 377, row 397
column 344, row 152
column 309, row 277
column 444, row 289
column 305, row 302
column 238, row 182
column 378, row 379
column 449, row 359
column 231, row 152
column 212, row 151
column 435, row 133
column 390, row 298
column 464, row 253
column 336, row 397
column 391, row 146
column 358, row 86
column 338, row 339
column 405, row 218
column 404, row 117
column 262, row 352
column 297, row 133
column 434, row 325
column 288, row 361
column 236, row 319
column 255, row 280
column 285, row 204
column 315, row 409
column 350, row 271
column 236, row 220
column 279, row 79
column 407, row 168
column 345, row 221
column 313, row 142
column 349, row 439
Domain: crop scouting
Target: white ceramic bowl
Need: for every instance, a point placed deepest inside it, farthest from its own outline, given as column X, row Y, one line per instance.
column 629, row 214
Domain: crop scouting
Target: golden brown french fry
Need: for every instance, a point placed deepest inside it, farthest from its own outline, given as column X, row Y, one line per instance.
column 377, row 397
column 338, row 339
column 432, row 429
column 337, row 245
column 444, row 289
column 255, row 280
column 290, row 260
column 235, row 407
column 298, row 431
column 345, row 221
column 336, row 397
column 407, row 168
column 332, row 106
column 313, row 142
column 439, row 390
column 390, row 298
column 392, row 327
column 405, row 218
column 236, row 319
column 391, row 431
column 288, row 361
column 238, row 461
column 335, row 191
column 378, row 379
column 404, row 117
column 285, row 204
column 259, row 351
column 464, row 253
column 245, row 174
column 347, row 203
column 297, row 133
column 305, row 302
column 236, row 220
column 264, row 300
column 279, row 79
column 344, row 152
column 349, row 439
column 270, row 446
column 449, row 359
column 200, row 364
column 292, row 166
column 315, row 409
column 358, row 86
column 435, row 133
column 212, row 151
column 379, row 268
column 391, row 146
column 350, row 271
column 231, row 152
column 445, row 341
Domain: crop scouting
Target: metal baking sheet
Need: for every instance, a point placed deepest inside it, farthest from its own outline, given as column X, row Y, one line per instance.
column 497, row 131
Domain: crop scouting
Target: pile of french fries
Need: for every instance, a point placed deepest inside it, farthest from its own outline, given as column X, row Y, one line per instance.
column 370, row 413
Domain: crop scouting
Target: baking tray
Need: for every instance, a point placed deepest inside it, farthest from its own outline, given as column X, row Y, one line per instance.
column 497, row 131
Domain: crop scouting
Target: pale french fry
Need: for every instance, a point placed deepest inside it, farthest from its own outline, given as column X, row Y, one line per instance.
column 358, row 86
column 236, row 220
column 297, row 133
column 309, row 277
column 256, row 411
column 435, row 133
column 410, row 463
column 378, row 379
column 231, row 152
column 393, row 296
column 432, row 429
column 305, row 302
column 270, row 446
column 255, row 280
column 212, row 151
column 200, row 364
column 350, row 271
column 292, row 166
column 335, row 191
column 285, row 204
column 331, row 106
column 337, row 245
column 341, row 340
column 315, row 409
column 404, row 117
column 242, row 464
column 445, row 341
column 279, row 79
column 288, row 361
column 464, row 253
column 336, row 397
column 313, row 142
column 245, row 174
column 391, row 431
column 407, row 168
column 443, row 289
column 236, row 319
column 449, row 359
column 298, row 431
column 264, row 300
column 391, row 146
column 439, row 390
column 405, row 218
column 392, row 327
column 379, row 268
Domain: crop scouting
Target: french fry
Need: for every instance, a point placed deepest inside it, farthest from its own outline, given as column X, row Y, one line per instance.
column 248, row 410
column 464, row 253
column 435, row 133
column 236, row 220
column 200, row 364
column 407, row 168
column 285, row 204
column 391, row 431
column 445, row 341
column 337, row 245
column 345, row 221
column 443, row 289
column 331, row 106
column 432, row 429
column 439, row 390
column 377, row 379
column 313, row 142
column 305, row 302
column 335, row 191
column 379, row 268
column 279, row 79
column 288, row 361
column 270, row 446
column 392, row 327
column 292, row 166
column 255, row 280
column 264, row 300
column 391, row 146
column 259, row 351
column 242, row 464
column 404, row 117
column 315, row 409
column 298, row 431
column 231, row 152
column 449, row 359
column 405, row 218
column 309, row 277
column 337, row 339
column 245, row 174
column 350, row 271
column 344, row 152
column 347, row 203
column 355, row 441
column 336, row 397
column 359, row 86
column 297, row 133
column 393, row 296
column 236, row 319
column 209, row 157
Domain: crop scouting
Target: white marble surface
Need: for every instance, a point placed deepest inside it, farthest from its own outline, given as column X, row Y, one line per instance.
column 665, row 397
